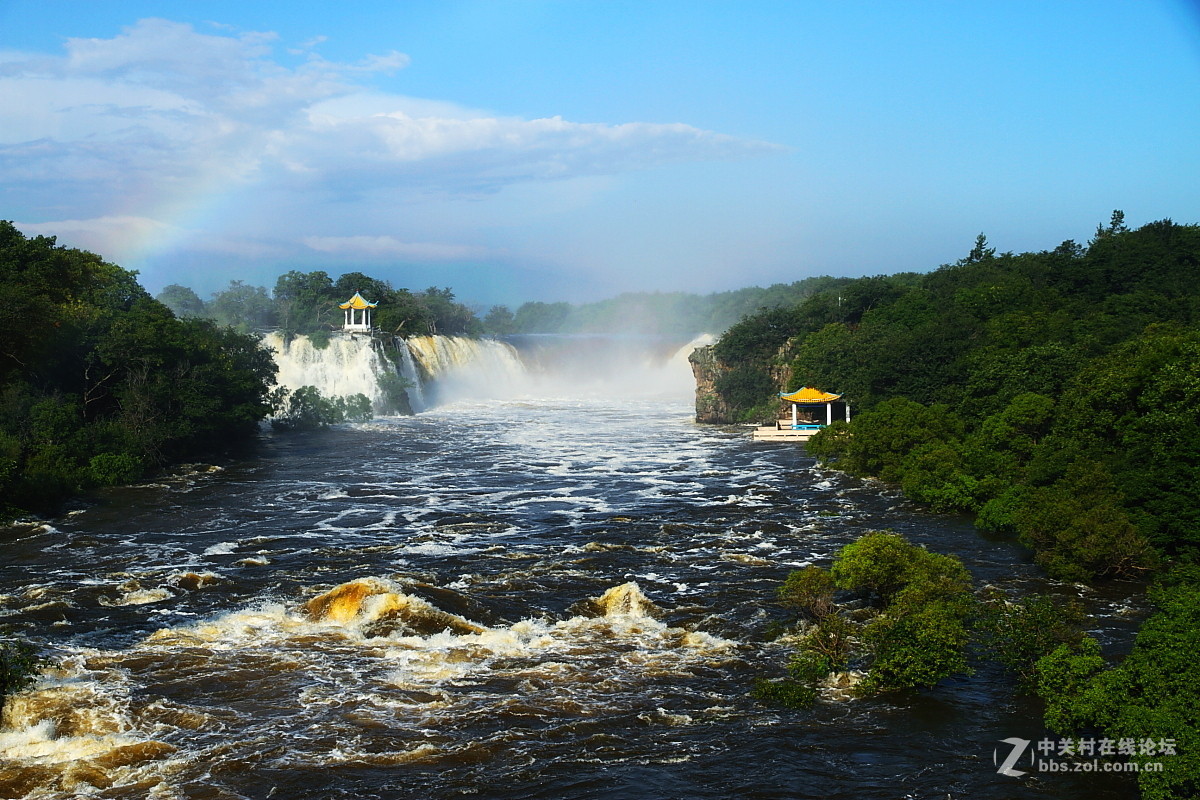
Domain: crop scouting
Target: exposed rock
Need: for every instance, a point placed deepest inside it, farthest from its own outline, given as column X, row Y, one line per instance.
column 711, row 408
column 714, row 409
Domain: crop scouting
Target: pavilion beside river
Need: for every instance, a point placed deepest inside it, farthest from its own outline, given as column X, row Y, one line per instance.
column 806, row 417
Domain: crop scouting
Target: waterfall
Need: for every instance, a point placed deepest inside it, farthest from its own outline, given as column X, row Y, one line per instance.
column 609, row 365
column 423, row 372
column 461, row 368
column 429, row 370
column 346, row 366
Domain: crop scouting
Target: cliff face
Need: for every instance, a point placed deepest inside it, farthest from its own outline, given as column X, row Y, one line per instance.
column 711, row 406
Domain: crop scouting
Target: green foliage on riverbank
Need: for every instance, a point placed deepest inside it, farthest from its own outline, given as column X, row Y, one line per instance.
column 1150, row 695
column 100, row 384
column 1053, row 395
column 909, row 619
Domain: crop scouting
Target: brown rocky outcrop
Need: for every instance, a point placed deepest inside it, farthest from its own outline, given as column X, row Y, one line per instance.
column 714, row 409
column 710, row 406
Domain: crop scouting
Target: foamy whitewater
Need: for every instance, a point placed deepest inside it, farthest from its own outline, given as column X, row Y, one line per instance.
column 549, row 583
column 447, row 369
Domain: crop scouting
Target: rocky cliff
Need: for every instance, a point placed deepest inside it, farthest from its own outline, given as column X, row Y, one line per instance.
column 710, row 406
column 714, row 408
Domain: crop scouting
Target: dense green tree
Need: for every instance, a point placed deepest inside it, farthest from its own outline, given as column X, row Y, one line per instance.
column 182, row 301
column 404, row 314
column 1151, row 694
column 306, row 301
column 243, row 307
column 373, row 289
column 499, row 321
column 110, row 384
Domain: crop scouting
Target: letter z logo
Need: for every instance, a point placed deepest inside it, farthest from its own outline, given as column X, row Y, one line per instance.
column 1018, row 747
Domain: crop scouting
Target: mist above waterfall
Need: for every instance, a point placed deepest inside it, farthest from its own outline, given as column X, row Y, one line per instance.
column 608, row 365
column 439, row 370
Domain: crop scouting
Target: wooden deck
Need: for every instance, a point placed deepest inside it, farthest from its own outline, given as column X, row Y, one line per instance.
column 782, row 431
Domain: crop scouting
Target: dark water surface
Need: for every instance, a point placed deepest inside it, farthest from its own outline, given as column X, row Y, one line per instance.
column 549, row 598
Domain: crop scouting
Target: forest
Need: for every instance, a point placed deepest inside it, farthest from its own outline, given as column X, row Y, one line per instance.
column 307, row 303
column 1051, row 395
column 101, row 384
column 681, row 314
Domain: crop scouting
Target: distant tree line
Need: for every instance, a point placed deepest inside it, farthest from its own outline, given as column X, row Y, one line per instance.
column 100, row 384
column 653, row 313
column 307, row 303
column 1053, row 395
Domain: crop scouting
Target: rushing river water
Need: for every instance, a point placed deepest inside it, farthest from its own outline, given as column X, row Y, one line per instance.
column 548, row 596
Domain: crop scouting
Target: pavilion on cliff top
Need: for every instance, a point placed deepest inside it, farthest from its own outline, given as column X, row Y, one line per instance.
column 358, row 313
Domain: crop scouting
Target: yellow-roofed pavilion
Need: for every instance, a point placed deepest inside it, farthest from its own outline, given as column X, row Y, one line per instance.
column 801, row 429
column 808, row 396
column 358, row 313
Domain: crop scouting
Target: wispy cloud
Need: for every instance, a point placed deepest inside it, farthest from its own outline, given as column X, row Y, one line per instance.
column 388, row 246
column 99, row 234
column 139, row 126
column 162, row 94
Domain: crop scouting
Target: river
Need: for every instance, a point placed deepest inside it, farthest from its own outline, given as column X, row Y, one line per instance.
column 561, row 592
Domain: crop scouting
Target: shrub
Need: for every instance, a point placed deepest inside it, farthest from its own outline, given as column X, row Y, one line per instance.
column 1019, row 633
column 809, row 591
column 307, row 409
column 19, row 666
column 918, row 633
column 114, row 469
column 916, row 649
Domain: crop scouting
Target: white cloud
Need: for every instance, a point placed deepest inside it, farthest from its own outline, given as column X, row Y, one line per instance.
column 114, row 134
column 488, row 152
column 161, row 94
column 107, row 236
column 390, row 246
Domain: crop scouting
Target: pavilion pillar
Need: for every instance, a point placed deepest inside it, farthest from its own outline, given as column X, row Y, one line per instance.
column 795, row 415
column 828, row 413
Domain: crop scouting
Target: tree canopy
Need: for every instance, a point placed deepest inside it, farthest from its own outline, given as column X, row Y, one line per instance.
column 101, row 384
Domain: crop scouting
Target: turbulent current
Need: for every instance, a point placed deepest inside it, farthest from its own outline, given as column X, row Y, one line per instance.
column 553, row 588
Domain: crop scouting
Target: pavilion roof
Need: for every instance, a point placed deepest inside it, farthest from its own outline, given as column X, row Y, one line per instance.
column 810, row 395
column 357, row 303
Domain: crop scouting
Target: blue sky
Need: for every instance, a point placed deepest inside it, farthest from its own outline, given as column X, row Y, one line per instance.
column 575, row 150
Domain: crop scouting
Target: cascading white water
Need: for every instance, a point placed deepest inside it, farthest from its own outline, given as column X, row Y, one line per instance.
column 599, row 365
column 412, row 377
column 346, row 366
column 461, row 368
column 435, row 369
column 445, row 369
